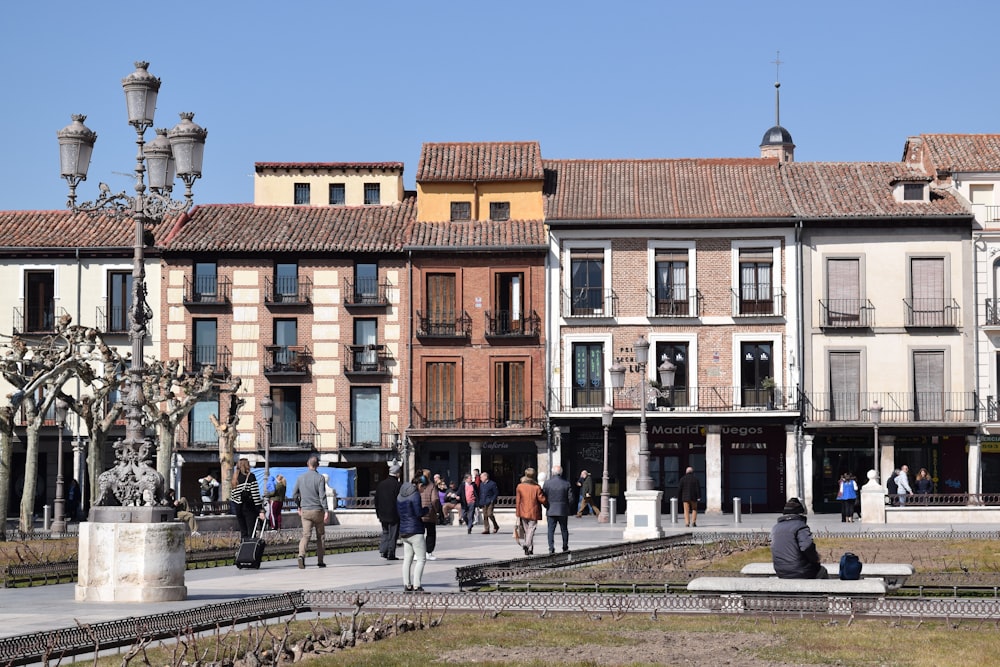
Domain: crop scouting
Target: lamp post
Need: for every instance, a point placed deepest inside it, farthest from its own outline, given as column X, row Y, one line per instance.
column 645, row 481
column 59, row 522
column 876, row 414
column 607, row 416
column 178, row 152
column 267, row 413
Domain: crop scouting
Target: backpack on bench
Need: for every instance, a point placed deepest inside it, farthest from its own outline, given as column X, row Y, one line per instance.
column 850, row 567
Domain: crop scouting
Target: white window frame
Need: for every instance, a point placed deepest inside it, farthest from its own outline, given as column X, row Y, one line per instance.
column 651, row 251
column 777, row 274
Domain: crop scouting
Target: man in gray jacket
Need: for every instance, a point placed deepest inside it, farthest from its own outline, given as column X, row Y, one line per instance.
column 310, row 494
column 559, row 494
column 792, row 549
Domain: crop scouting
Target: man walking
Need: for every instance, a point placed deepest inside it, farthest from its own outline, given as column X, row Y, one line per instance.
column 586, row 484
column 689, row 489
column 559, row 493
column 310, row 489
column 488, row 494
column 903, row 484
column 468, row 495
column 387, row 512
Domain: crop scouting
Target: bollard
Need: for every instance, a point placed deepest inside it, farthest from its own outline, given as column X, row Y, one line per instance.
column 673, row 510
column 612, row 509
column 45, row 517
column 738, row 510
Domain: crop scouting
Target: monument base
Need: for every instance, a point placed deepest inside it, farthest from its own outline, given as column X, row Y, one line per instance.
column 131, row 562
column 643, row 515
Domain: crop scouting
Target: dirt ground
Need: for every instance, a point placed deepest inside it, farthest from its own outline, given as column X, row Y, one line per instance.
column 661, row 648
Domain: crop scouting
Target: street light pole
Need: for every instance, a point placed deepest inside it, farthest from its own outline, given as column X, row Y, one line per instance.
column 876, row 414
column 267, row 413
column 59, row 522
column 645, row 481
column 179, row 153
column 607, row 416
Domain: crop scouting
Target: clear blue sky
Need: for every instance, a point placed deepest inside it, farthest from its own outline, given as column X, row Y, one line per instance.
column 311, row 80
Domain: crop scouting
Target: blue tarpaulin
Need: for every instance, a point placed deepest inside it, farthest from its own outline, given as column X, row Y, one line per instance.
column 342, row 480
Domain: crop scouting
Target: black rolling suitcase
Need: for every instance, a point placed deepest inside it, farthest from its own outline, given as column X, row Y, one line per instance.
column 251, row 550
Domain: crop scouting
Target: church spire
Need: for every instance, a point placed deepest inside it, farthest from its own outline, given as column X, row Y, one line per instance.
column 777, row 142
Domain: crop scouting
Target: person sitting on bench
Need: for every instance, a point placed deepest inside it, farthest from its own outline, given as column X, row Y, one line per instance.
column 792, row 549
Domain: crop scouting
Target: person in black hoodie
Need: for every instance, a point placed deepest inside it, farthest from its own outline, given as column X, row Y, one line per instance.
column 792, row 549
column 411, row 531
column 387, row 512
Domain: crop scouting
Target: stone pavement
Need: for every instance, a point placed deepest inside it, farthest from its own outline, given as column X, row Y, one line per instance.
column 42, row 608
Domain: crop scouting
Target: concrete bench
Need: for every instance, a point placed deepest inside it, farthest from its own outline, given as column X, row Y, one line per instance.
column 776, row 586
column 894, row 574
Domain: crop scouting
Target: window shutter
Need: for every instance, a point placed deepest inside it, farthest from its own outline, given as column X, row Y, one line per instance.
column 928, row 385
column 845, row 385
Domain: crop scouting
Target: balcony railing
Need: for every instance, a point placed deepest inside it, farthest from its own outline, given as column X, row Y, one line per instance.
column 758, row 300
column 366, row 435
column 589, row 302
column 486, row 415
column 366, row 359
column 675, row 303
column 289, row 435
column 197, row 435
column 287, row 360
column 287, row 291
column 366, row 292
column 897, row 407
column 992, row 313
column 207, row 291
column 41, row 318
column 847, row 313
column 992, row 408
column 113, row 319
column 503, row 324
column 197, row 357
column 443, row 326
column 932, row 313
column 678, row 399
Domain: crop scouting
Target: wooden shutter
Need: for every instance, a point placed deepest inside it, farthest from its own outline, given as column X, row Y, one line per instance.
column 843, row 288
column 928, row 385
column 440, row 392
column 441, row 298
column 845, row 386
column 927, row 287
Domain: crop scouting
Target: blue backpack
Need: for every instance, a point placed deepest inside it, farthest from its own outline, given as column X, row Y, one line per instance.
column 850, row 567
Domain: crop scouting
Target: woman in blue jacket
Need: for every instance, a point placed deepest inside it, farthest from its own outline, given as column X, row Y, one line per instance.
column 411, row 532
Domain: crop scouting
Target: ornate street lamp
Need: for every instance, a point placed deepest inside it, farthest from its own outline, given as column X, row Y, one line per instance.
column 607, row 416
column 645, row 481
column 180, row 154
column 59, row 522
column 876, row 415
column 267, row 413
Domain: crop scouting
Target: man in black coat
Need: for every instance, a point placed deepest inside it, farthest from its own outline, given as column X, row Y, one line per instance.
column 792, row 549
column 387, row 512
column 559, row 494
column 689, row 490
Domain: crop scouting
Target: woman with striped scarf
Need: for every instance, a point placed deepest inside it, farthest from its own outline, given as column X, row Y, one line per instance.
column 245, row 499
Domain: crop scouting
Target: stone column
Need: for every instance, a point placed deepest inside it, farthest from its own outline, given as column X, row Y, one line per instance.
column 975, row 464
column 887, row 459
column 792, row 461
column 713, row 469
column 475, row 455
column 631, row 456
column 807, row 472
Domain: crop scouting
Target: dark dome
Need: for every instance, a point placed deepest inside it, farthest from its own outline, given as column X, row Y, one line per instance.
column 776, row 136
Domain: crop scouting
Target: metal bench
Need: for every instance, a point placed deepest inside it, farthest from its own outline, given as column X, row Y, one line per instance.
column 894, row 574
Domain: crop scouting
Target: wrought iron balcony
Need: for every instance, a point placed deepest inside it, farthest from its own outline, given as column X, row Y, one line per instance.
column 207, row 291
column 676, row 400
column 674, row 303
column 897, row 407
column 589, row 302
column 197, row 357
column 366, row 359
column 478, row 415
column 366, row 435
column 932, row 313
column 287, row 360
column 197, row 435
column 444, row 326
column 37, row 318
column 846, row 313
column 367, row 292
column 503, row 324
column 289, row 435
column 992, row 313
column 287, row 291
column 113, row 320
column 758, row 300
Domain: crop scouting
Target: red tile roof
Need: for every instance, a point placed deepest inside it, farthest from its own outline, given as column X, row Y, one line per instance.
column 64, row 229
column 328, row 165
column 480, row 161
column 479, row 235
column 743, row 189
column 246, row 228
column 963, row 152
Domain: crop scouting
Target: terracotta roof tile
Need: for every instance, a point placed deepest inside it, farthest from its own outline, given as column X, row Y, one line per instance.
column 480, row 161
column 328, row 165
column 64, row 229
column 478, row 235
column 246, row 228
column 963, row 152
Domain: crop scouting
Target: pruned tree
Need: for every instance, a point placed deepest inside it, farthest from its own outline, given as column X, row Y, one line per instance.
column 228, row 432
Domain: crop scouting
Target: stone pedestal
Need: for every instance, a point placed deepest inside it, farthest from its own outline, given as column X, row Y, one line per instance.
column 131, row 554
column 873, row 501
column 643, row 515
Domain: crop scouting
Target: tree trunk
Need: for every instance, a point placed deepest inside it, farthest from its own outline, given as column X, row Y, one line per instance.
column 165, row 454
column 95, row 462
column 27, row 522
column 226, row 463
column 6, row 474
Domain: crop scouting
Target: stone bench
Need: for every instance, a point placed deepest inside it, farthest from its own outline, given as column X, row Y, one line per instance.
column 894, row 574
column 775, row 586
